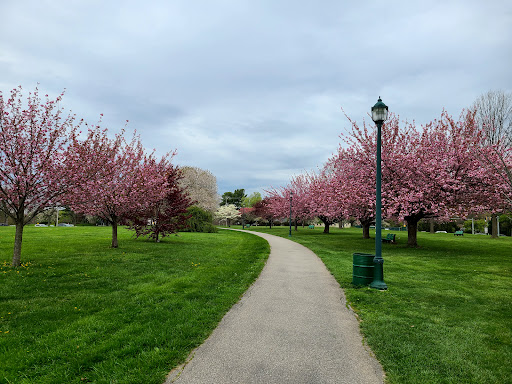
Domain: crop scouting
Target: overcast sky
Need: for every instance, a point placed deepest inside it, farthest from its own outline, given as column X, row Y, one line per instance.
column 253, row 90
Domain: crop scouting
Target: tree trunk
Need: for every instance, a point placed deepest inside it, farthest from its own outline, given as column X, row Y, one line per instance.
column 114, row 232
column 366, row 231
column 270, row 223
column 16, row 257
column 494, row 226
column 432, row 225
column 366, row 228
column 326, row 224
column 412, row 231
column 296, row 224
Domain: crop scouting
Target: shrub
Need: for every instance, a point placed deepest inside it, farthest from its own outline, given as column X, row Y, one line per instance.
column 200, row 220
column 449, row 226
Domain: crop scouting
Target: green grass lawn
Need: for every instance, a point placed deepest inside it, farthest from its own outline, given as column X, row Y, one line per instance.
column 447, row 315
column 78, row 311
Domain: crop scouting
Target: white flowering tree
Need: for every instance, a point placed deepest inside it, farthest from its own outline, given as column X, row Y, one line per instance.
column 201, row 186
column 227, row 212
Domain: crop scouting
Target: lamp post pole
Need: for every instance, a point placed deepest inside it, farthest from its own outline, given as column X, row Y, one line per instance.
column 291, row 197
column 242, row 210
column 379, row 115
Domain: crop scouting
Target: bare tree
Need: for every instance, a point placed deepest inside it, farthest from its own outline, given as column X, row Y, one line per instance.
column 494, row 116
column 201, row 186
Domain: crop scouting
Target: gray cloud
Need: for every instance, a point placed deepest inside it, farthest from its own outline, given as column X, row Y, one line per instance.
column 252, row 90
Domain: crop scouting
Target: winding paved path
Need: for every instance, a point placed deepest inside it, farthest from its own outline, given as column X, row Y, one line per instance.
column 291, row 326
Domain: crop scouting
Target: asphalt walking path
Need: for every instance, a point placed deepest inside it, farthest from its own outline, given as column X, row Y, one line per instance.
column 291, row 326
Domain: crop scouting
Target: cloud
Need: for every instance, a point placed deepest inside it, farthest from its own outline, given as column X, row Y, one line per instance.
column 252, row 91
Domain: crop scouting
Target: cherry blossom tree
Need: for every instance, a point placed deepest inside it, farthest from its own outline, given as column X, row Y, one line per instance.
column 494, row 176
column 41, row 157
column 426, row 172
column 137, row 181
column 301, row 187
column 166, row 216
column 353, row 180
column 432, row 172
column 279, row 204
column 262, row 209
column 279, row 200
column 323, row 201
column 496, row 161
column 494, row 117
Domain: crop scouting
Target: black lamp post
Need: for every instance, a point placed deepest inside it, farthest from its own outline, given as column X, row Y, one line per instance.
column 291, row 197
column 379, row 115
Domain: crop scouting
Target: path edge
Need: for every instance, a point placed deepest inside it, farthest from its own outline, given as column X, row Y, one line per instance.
column 175, row 373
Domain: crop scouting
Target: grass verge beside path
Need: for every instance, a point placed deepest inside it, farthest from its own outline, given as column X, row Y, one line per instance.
column 78, row 311
column 446, row 317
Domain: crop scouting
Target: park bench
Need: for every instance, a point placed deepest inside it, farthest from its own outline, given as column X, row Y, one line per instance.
column 390, row 238
column 458, row 233
column 311, row 226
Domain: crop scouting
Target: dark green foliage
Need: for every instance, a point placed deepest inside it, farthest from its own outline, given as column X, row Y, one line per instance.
column 200, row 220
column 449, row 226
column 235, row 198
column 478, row 224
column 505, row 225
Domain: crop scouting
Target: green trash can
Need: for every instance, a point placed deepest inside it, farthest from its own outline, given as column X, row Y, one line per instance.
column 362, row 272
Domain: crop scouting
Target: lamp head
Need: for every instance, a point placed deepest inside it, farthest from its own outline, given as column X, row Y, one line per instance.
column 379, row 112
